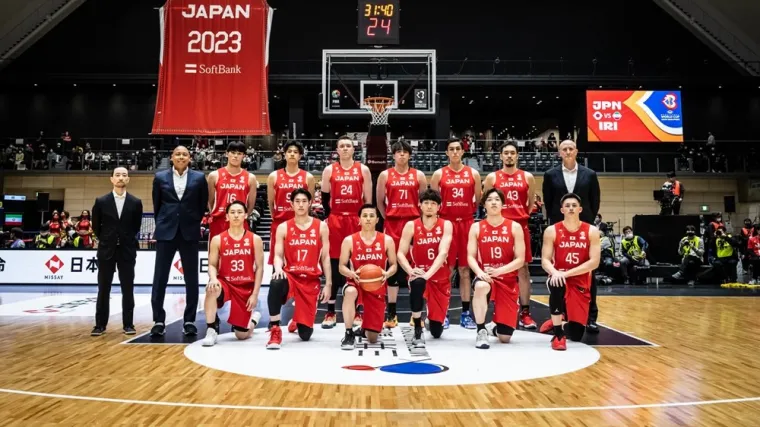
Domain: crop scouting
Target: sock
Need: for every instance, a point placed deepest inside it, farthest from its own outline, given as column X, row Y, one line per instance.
column 481, row 326
column 391, row 309
column 274, row 323
column 559, row 332
column 331, row 307
column 525, row 308
column 212, row 326
column 418, row 322
column 465, row 306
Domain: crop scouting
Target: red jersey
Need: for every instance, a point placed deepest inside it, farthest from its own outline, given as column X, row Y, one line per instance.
column 496, row 246
column 425, row 247
column 303, row 248
column 402, row 194
column 457, row 193
column 228, row 189
column 515, row 189
column 346, row 187
column 753, row 244
column 572, row 249
column 374, row 253
column 284, row 184
column 237, row 262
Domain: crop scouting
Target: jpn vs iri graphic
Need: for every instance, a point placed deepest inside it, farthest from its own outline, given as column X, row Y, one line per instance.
column 634, row 116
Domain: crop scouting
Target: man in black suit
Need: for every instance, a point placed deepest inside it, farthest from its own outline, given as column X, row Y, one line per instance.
column 571, row 177
column 116, row 220
column 180, row 196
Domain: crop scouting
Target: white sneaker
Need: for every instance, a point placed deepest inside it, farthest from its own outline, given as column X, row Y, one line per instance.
column 481, row 341
column 210, row 339
column 491, row 328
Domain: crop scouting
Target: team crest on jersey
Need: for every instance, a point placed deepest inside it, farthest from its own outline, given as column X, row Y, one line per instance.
column 504, row 229
column 572, row 237
column 583, row 235
column 466, row 174
column 519, row 177
column 438, row 230
column 300, row 178
column 225, row 240
column 411, row 176
column 429, row 234
column 356, row 171
column 377, row 246
column 242, row 180
column 246, row 242
column 236, row 245
column 312, row 233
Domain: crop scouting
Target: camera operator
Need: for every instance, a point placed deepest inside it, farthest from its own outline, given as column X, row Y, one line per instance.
column 754, row 253
column 634, row 254
column 744, row 252
column 724, row 265
column 677, row 192
column 692, row 249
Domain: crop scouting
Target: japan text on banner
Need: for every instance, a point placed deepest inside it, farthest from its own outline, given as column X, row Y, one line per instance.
column 213, row 68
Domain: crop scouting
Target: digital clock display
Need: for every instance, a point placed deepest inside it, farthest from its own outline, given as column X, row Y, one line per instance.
column 379, row 22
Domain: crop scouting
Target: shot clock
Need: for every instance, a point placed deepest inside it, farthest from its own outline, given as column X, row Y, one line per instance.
column 379, row 22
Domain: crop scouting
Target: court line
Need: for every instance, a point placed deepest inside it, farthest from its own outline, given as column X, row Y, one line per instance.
column 382, row 411
column 613, row 329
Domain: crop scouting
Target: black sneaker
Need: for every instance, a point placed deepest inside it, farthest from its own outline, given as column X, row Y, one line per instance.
column 129, row 330
column 592, row 328
column 348, row 340
column 157, row 330
column 189, row 329
column 97, row 331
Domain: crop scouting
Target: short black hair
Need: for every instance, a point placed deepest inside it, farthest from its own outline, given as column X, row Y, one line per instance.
column 455, row 140
column 236, row 146
column 671, row 174
column 569, row 196
column 401, row 146
column 430, row 194
column 17, row 232
column 507, row 144
column 113, row 172
column 343, row 137
column 626, row 228
column 236, row 202
column 368, row 206
column 691, row 229
column 298, row 191
column 296, row 144
column 489, row 192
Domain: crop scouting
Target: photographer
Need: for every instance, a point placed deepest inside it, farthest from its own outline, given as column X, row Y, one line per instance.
column 634, row 254
column 724, row 264
column 753, row 246
column 692, row 249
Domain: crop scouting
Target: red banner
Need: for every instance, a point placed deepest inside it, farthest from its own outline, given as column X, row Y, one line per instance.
column 213, row 68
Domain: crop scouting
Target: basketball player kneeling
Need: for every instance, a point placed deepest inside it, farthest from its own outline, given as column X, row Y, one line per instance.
column 495, row 252
column 430, row 239
column 235, row 270
column 570, row 254
column 363, row 248
column 302, row 255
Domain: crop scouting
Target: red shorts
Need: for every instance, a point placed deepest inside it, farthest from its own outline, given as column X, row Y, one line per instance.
column 272, row 239
column 238, row 295
column 577, row 299
column 526, row 238
column 393, row 227
column 305, row 291
column 505, row 294
column 458, row 249
column 374, row 307
column 437, row 294
column 219, row 225
column 341, row 226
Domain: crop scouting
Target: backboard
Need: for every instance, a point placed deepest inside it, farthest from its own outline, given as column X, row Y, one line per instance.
column 351, row 75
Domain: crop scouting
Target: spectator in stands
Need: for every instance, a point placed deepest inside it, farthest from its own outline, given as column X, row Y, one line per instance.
column 45, row 240
column 692, row 249
column 634, row 254
column 710, row 139
column 597, row 220
column 19, row 158
column 723, row 268
column 746, row 232
column 753, row 245
column 608, row 263
column 17, row 235
column 678, row 191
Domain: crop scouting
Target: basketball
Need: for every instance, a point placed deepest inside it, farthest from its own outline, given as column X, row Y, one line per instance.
column 371, row 277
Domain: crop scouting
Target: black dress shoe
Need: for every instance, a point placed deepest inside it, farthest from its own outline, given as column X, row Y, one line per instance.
column 189, row 329
column 129, row 330
column 592, row 328
column 157, row 330
column 97, row 331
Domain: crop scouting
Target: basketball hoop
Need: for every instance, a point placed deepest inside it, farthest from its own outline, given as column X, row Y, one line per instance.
column 379, row 107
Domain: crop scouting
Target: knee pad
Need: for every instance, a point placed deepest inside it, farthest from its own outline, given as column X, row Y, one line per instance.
column 436, row 328
column 416, row 294
column 503, row 329
column 278, row 295
column 397, row 279
column 574, row 331
column 556, row 299
column 304, row 332
column 338, row 280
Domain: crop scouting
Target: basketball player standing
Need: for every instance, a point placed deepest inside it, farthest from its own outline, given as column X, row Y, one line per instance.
column 235, row 271
column 302, row 246
column 495, row 252
column 429, row 277
column 398, row 192
column 460, row 190
column 518, row 187
column 227, row 185
column 570, row 254
column 346, row 186
column 365, row 247
column 280, row 184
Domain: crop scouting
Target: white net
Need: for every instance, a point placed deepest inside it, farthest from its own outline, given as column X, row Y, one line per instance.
column 379, row 109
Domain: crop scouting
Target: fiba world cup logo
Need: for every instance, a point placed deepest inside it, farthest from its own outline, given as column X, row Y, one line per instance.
column 670, row 101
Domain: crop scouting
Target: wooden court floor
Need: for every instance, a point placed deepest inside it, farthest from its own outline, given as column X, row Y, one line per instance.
column 704, row 371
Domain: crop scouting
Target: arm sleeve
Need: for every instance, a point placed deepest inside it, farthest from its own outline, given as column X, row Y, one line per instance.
column 326, row 203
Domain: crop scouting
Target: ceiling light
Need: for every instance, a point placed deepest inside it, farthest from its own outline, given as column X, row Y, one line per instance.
column 720, row 87
column 35, row 85
column 114, row 85
column 600, row 86
column 486, row 96
column 154, row 85
column 75, row 85
column 539, row 102
column 534, row 97
column 462, row 96
column 558, row 97
column 510, row 96
column 471, row 101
